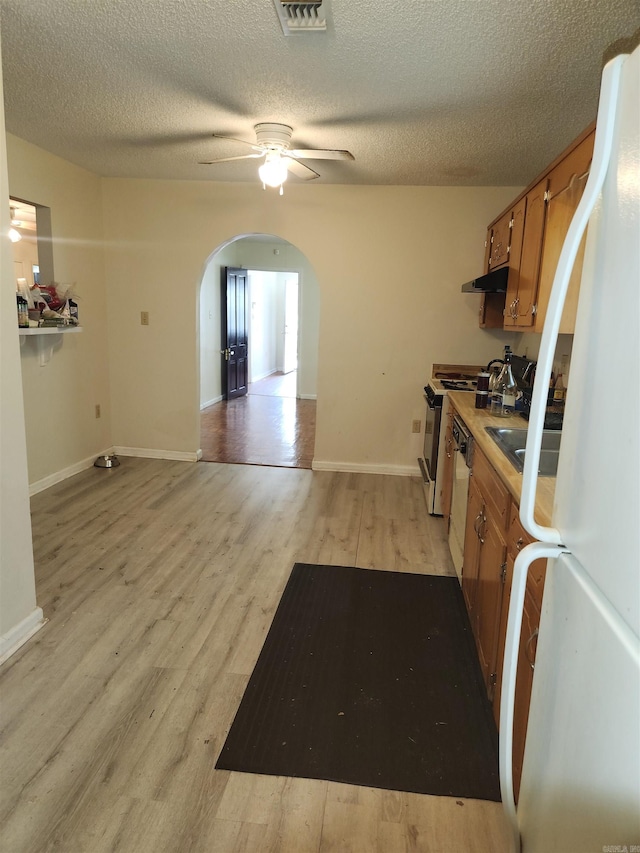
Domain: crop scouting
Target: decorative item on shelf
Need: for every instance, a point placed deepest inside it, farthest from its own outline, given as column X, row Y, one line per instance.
column 56, row 303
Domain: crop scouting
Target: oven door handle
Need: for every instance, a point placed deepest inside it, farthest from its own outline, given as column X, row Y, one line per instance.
column 423, row 469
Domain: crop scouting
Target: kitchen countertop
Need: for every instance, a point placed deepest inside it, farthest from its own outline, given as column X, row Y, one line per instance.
column 476, row 420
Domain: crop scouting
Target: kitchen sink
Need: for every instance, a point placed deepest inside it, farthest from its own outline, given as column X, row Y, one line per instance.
column 512, row 442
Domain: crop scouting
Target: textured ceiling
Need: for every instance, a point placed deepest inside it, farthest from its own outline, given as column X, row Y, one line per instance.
column 468, row 92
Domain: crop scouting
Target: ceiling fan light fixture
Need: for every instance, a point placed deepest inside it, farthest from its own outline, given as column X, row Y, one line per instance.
column 273, row 172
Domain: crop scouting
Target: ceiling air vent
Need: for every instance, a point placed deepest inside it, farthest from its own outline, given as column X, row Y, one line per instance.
column 301, row 16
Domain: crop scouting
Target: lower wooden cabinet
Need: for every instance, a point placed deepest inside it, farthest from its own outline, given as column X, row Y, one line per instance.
column 488, row 602
column 524, row 682
column 493, row 538
column 517, row 538
column 471, row 558
column 484, row 565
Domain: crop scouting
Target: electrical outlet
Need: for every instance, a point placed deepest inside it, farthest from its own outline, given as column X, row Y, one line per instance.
column 144, row 318
column 416, row 426
column 97, row 410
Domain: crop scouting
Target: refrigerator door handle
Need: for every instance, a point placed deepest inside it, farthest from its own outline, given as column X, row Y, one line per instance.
column 528, row 555
column 603, row 143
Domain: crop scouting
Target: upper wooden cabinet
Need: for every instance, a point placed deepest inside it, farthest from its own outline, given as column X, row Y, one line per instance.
column 499, row 237
column 566, row 185
column 522, row 289
column 529, row 235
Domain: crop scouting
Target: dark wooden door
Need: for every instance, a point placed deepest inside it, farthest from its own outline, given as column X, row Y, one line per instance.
column 234, row 332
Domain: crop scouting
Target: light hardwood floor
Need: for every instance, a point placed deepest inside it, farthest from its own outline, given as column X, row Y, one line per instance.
column 160, row 580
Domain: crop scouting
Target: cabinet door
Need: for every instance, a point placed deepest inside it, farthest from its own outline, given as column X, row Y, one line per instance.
column 475, row 514
column 500, row 241
column 517, row 539
column 487, row 253
column 447, row 472
column 495, row 493
column 522, row 312
column 488, row 599
column 502, row 634
column 491, row 312
column 518, row 220
column 524, row 683
column 566, row 185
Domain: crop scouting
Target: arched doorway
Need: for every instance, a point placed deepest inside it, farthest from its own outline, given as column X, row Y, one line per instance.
column 274, row 424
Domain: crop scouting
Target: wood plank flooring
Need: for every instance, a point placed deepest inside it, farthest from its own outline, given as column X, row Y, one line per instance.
column 160, row 580
column 268, row 426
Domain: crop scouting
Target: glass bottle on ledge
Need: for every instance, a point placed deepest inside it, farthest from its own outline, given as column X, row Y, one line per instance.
column 503, row 396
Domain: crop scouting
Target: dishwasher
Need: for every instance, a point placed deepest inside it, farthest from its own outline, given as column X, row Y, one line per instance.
column 463, row 458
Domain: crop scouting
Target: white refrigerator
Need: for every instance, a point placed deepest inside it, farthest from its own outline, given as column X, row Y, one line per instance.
column 580, row 787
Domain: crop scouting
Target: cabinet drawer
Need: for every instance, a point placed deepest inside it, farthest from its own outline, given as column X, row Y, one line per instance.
column 493, row 489
column 517, row 538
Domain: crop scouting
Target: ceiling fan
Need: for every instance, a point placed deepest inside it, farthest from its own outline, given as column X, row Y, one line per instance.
column 272, row 144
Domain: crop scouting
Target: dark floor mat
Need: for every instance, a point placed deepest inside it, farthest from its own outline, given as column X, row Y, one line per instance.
column 372, row 678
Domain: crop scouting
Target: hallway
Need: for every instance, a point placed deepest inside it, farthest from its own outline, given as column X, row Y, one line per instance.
column 268, row 426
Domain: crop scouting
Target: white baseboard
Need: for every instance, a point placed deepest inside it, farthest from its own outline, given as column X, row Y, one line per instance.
column 59, row 476
column 148, row 453
column 263, row 375
column 355, row 468
column 307, row 396
column 211, row 402
column 20, row 633
column 142, row 452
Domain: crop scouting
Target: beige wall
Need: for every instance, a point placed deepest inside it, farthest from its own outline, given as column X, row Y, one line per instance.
column 19, row 615
column 60, row 397
column 389, row 262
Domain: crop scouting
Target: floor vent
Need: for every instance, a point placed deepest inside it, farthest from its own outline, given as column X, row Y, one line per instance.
column 301, row 16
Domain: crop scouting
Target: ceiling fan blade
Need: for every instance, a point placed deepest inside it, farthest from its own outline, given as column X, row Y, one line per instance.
column 300, row 170
column 229, row 159
column 235, row 139
column 321, row 154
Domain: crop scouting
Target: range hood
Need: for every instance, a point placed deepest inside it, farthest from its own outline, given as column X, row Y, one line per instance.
column 493, row 282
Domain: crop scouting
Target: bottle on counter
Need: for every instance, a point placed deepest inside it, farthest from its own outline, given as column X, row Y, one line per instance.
column 482, row 390
column 559, row 390
column 503, row 396
column 23, row 311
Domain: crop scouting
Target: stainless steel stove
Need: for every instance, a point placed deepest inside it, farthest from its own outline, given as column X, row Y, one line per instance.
column 444, row 378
